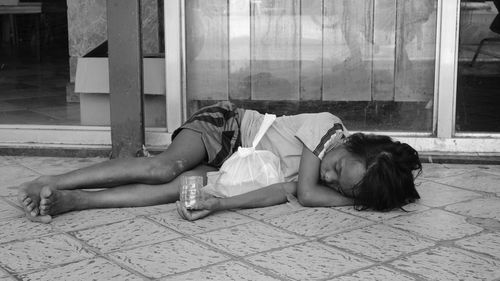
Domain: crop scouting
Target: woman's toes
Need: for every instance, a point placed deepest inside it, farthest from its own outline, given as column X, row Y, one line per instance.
column 32, row 210
column 27, row 201
column 34, row 213
column 44, row 209
column 30, row 207
column 21, row 196
column 42, row 219
column 45, row 201
column 45, row 193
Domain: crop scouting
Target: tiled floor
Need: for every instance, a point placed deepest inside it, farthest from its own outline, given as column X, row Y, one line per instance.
column 452, row 233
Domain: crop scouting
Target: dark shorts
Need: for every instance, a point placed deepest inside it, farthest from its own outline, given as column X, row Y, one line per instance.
column 219, row 126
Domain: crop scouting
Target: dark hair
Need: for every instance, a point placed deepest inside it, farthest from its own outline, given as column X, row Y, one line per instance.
column 389, row 179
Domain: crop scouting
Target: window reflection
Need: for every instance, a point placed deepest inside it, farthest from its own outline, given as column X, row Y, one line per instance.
column 478, row 86
column 369, row 62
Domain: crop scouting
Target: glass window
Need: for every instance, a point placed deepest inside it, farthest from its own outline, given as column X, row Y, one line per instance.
column 35, row 66
column 54, row 67
column 478, row 89
column 370, row 62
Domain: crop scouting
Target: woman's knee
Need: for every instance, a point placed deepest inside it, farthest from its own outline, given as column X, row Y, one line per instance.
column 163, row 171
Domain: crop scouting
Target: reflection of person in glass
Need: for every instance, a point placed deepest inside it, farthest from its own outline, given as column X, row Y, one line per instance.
column 321, row 163
column 415, row 13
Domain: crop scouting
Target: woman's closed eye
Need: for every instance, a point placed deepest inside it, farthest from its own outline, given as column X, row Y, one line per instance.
column 335, row 186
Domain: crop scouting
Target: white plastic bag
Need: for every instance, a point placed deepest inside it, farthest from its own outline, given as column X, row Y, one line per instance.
column 247, row 169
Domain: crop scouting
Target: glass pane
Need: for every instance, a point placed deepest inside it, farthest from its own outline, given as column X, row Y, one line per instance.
column 478, row 85
column 47, row 47
column 370, row 62
column 34, row 65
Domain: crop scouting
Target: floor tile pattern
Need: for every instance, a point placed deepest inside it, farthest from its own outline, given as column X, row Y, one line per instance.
column 168, row 257
column 172, row 220
column 309, row 261
column 89, row 269
column 377, row 273
column 445, row 263
column 125, row 234
column 436, row 224
column 249, row 238
column 9, row 211
column 486, row 207
column 41, row 252
column 475, row 180
column 378, row 242
column 487, row 243
column 21, row 228
column 452, row 233
column 227, row 271
column 435, row 195
column 327, row 221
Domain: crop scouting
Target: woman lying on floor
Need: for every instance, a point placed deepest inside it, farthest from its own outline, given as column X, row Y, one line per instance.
column 322, row 165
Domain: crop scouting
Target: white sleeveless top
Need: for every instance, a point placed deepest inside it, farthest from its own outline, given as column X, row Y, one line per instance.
column 287, row 136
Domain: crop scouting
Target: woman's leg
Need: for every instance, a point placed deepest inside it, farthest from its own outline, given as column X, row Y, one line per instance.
column 54, row 201
column 186, row 152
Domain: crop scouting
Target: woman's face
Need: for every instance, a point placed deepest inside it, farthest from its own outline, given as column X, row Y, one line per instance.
column 341, row 170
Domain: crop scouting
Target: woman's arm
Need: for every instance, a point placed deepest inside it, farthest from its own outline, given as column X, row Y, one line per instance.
column 310, row 192
column 268, row 196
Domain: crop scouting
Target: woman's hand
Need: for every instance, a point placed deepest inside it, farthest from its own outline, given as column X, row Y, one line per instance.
column 201, row 209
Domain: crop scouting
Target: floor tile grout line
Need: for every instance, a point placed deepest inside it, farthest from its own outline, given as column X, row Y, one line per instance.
column 241, row 212
column 316, row 236
column 104, row 255
column 384, row 219
column 416, row 276
column 459, row 173
column 15, row 207
column 124, row 248
column 129, row 248
column 235, row 260
column 429, row 237
column 101, row 225
column 263, row 269
column 449, row 246
column 207, row 231
column 229, row 256
column 388, row 262
column 77, row 261
column 235, row 256
column 372, row 263
column 371, row 259
column 29, row 168
column 91, row 226
column 485, row 255
column 443, row 208
column 480, row 192
column 55, row 265
column 351, row 272
column 29, row 238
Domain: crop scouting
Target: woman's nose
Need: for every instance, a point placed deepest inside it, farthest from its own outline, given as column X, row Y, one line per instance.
column 330, row 177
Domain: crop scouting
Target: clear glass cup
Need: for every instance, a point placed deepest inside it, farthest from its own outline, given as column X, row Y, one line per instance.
column 190, row 190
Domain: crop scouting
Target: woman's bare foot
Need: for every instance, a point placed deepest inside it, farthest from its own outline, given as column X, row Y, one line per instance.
column 55, row 202
column 28, row 195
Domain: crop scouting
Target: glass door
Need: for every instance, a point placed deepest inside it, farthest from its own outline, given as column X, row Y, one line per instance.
column 54, row 82
column 478, row 81
column 370, row 62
